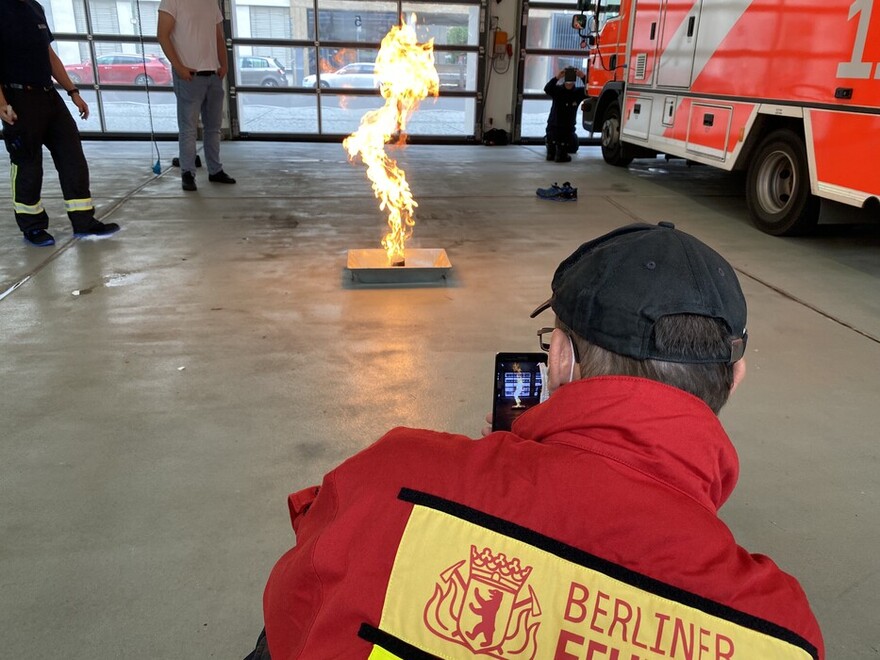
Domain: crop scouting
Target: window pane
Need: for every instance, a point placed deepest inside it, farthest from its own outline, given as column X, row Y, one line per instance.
column 443, row 116
column 341, row 115
column 365, row 22
column 534, row 119
column 551, row 29
column 265, row 66
column 134, row 18
column 65, row 15
column 129, row 112
column 447, row 24
column 76, row 57
column 434, row 116
column 342, row 68
column 540, row 68
column 277, row 113
column 105, row 17
column 119, row 64
column 457, row 70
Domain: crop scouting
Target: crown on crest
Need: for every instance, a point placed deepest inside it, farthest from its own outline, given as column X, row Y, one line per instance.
column 497, row 570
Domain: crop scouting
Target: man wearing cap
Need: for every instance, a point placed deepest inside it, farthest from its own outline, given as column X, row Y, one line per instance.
column 33, row 114
column 590, row 530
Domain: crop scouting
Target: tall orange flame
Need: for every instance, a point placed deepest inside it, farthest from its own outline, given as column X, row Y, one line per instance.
column 406, row 73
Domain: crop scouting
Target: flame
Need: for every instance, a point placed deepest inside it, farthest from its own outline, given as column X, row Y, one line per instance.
column 406, row 73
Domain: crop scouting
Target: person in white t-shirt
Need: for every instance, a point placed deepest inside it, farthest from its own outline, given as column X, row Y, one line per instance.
column 191, row 35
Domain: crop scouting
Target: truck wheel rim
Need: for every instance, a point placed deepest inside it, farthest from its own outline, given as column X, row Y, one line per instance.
column 777, row 182
column 610, row 132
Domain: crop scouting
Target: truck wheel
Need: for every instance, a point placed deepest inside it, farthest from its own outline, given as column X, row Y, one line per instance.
column 778, row 186
column 614, row 151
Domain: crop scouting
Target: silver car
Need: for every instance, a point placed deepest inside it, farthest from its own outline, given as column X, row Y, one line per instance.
column 261, row 70
column 360, row 75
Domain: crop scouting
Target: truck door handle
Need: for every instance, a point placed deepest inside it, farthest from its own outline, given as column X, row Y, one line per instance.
column 708, row 119
column 691, row 22
column 653, row 30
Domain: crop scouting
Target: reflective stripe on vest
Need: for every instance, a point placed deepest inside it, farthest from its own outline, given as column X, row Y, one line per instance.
column 464, row 581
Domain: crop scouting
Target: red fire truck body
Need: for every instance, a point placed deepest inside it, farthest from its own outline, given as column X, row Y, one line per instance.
column 788, row 91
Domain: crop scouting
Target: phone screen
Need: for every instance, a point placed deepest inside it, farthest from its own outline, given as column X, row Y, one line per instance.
column 570, row 74
column 518, row 385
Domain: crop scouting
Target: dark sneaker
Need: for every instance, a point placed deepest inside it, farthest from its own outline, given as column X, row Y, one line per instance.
column 188, row 181
column 557, row 193
column 98, row 228
column 562, row 156
column 547, row 193
column 221, row 177
column 39, row 237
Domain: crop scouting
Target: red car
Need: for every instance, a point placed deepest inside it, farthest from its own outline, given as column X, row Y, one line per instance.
column 123, row 69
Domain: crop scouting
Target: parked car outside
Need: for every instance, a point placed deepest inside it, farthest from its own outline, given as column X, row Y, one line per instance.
column 122, row 69
column 261, row 70
column 358, row 75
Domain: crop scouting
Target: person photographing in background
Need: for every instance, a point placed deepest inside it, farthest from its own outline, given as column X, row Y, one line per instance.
column 561, row 136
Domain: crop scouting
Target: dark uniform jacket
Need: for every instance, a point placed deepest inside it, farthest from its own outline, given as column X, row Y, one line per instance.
column 563, row 112
column 24, row 41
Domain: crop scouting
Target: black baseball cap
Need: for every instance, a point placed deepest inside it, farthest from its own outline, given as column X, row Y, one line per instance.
column 613, row 289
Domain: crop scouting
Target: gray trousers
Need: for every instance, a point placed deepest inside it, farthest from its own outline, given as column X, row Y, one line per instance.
column 201, row 95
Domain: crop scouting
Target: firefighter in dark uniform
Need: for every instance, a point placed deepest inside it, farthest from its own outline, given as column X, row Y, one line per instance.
column 561, row 136
column 33, row 115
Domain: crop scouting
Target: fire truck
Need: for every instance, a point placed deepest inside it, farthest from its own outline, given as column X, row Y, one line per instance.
column 787, row 91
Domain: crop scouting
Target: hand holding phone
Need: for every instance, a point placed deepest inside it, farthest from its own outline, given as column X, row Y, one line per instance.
column 518, row 386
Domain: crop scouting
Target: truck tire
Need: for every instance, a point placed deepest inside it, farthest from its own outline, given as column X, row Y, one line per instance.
column 778, row 186
column 614, row 151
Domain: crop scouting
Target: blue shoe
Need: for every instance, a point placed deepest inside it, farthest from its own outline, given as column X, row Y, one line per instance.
column 547, row 193
column 557, row 193
column 39, row 237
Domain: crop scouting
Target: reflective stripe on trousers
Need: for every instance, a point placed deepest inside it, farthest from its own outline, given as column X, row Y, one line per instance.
column 28, row 209
column 71, row 205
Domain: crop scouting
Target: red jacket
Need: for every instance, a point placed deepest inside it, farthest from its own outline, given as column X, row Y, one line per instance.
column 588, row 532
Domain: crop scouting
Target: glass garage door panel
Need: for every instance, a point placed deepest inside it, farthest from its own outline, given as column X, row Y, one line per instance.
column 443, row 116
column 277, row 113
column 262, row 66
column 538, row 71
column 125, row 112
column 341, row 115
column 67, row 17
column 360, row 21
column 121, row 64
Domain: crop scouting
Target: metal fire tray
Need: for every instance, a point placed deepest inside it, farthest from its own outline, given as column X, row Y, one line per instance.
column 421, row 265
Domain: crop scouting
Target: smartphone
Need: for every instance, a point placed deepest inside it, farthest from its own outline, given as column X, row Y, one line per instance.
column 518, row 385
column 570, row 74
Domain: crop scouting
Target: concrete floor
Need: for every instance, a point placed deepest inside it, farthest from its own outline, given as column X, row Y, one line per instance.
column 164, row 389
